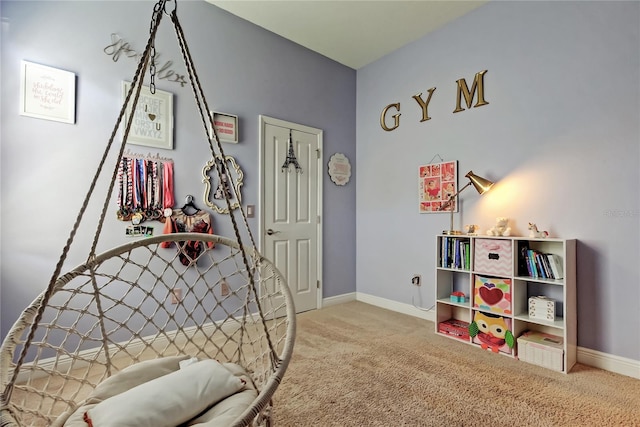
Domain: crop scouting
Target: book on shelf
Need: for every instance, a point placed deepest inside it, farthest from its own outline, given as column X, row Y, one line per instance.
column 555, row 262
column 542, row 268
column 541, row 265
column 455, row 253
column 547, row 266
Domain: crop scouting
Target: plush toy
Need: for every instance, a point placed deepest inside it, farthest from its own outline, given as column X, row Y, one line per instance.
column 533, row 231
column 501, row 228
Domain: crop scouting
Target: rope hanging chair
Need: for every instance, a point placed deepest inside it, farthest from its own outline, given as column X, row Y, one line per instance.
column 104, row 321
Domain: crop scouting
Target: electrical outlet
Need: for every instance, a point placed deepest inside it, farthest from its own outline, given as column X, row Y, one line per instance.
column 416, row 280
column 224, row 288
column 176, row 295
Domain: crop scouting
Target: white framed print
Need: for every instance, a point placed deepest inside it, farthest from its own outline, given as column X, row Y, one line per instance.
column 226, row 127
column 47, row 93
column 152, row 123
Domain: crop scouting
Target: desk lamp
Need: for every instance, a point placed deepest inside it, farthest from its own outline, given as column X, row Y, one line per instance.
column 482, row 185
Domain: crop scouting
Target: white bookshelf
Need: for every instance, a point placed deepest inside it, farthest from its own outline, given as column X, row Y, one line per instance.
column 505, row 267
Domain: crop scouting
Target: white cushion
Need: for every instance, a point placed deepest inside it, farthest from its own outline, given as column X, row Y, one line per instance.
column 134, row 375
column 225, row 412
column 169, row 400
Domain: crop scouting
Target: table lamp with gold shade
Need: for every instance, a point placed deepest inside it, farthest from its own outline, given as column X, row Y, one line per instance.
column 482, row 185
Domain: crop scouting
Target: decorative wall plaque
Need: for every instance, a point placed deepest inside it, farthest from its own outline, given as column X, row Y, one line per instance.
column 339, row 169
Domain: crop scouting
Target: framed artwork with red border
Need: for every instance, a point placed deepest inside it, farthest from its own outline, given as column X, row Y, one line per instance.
column 436, row 183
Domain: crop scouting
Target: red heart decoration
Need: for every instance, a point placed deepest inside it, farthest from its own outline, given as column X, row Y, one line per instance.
column 491, row 296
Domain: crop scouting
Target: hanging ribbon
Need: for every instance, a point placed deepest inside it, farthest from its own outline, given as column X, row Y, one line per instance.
column 145, row 189
column 168, row 199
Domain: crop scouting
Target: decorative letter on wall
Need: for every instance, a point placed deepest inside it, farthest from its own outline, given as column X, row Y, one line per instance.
column 478, row 84
column 424, row 104
column 462, row 90
column 396, row 117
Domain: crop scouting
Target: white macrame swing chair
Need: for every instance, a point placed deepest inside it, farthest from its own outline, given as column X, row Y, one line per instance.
column 113, row 314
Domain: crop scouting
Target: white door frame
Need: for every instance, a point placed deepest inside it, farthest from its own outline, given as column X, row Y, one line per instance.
column 261, row 227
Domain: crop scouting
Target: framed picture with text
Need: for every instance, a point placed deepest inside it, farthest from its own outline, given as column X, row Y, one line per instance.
column 152, row 123
column 47, row 93
column 226, row 127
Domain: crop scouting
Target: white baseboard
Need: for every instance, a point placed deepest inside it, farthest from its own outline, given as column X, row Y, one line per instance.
column 340, row 299
column 605, row 361
column 609, row 362
column 400, row 307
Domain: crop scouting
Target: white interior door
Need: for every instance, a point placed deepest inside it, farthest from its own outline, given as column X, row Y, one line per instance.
column 291, row 204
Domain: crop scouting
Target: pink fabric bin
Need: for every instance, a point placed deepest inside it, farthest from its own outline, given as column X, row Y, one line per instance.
column 493, row 256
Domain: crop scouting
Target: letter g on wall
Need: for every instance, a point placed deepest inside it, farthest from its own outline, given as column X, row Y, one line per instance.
column 396, row 117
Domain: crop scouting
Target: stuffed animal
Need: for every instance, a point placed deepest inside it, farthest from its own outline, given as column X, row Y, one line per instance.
column 533, row 231
column 501, row 228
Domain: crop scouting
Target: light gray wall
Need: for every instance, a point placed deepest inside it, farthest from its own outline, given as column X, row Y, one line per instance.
column 46, row 166
column 561, row 135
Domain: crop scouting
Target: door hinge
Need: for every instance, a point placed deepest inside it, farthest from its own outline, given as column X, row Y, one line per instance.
column 318, row 284
column 318, row 152
column 318, row 220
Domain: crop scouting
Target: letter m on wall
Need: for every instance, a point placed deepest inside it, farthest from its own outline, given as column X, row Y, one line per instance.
column 463, row 90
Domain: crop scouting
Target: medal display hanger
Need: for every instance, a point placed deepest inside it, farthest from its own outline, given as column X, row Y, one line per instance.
column 145, row 188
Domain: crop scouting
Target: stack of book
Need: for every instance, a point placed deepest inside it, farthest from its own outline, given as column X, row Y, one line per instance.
column 541, row 265
column 456, row 253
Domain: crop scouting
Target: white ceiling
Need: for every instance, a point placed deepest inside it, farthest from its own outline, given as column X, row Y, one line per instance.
column 351, row 32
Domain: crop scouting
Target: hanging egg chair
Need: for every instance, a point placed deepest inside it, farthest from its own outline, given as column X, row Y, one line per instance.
column 188, row 329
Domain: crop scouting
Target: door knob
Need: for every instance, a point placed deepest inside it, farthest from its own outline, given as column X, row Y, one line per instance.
column 271, row 232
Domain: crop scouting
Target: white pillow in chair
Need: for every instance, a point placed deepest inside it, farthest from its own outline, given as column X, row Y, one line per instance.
column 169, row 400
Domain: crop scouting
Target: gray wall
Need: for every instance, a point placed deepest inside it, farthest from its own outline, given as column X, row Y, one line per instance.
column 46, row 166
column 561, row 135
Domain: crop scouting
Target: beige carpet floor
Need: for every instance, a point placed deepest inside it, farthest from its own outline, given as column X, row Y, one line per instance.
column 359, row 365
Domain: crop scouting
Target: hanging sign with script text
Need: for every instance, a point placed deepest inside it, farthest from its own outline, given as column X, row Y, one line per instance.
column 339, row 169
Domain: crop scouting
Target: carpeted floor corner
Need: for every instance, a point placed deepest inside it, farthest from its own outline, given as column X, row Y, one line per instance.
column 355, row 364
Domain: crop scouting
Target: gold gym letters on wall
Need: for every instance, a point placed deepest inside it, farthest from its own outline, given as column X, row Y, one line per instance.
column 462, row 91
